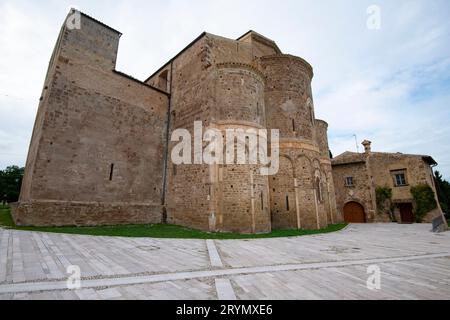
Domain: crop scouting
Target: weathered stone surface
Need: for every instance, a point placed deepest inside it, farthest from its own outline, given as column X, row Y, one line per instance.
column 375, row 169
column 100, row 151
column 96, row 150
column 33, row 265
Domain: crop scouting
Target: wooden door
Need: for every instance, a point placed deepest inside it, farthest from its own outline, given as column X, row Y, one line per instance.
column 406, row 213
column 354, row 213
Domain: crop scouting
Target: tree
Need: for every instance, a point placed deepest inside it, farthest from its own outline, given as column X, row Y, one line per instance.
column 443, row 192
column 10, row 182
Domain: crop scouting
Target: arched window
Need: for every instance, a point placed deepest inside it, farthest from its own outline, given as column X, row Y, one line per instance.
column 319, row 191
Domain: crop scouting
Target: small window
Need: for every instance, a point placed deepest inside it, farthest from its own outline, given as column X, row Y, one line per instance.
column 349, row 182
column 400, row 179
column 287, row 203
column 293, row 125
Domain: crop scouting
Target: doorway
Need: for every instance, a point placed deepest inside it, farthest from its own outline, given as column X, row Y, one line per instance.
column 354, row 213
column 406, row 213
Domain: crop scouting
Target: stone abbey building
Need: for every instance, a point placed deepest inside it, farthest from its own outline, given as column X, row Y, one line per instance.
column 100, row 149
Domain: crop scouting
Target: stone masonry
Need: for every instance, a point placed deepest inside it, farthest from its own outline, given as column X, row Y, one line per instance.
column 370, row 170
column 100, row 149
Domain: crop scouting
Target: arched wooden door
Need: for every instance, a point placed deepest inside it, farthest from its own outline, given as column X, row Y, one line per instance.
column 354, row 213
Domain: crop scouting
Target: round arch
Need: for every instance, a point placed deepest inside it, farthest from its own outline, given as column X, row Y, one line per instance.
column 304, row 170
column 354, row 212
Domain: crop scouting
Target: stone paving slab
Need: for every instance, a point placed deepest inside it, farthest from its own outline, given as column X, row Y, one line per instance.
column 33, row 256
column 170, row 290
column 399, row 280
column 358, row 241
column 414, row 264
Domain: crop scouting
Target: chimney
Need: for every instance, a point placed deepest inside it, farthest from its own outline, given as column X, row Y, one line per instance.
column 366, row 144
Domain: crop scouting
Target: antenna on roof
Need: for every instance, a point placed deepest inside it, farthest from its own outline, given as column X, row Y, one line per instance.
column 356, row 141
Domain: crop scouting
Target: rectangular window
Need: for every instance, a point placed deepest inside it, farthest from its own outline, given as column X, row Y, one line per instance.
column 399, row 177
column 287, row 203
column 349, row 182
column 293, row 125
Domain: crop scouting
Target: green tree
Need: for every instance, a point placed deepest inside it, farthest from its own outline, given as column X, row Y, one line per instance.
column 443, row 192
column 10, row 182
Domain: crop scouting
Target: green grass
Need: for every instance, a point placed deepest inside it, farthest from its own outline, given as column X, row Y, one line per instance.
column 158, row 230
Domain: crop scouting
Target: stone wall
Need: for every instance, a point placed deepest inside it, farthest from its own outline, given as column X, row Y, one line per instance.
column 101, row 146
column 98, row 138
column 80, row 213
column 288, row 96
column 215, row 198
column 321, row 128
column 375, row 170
column 417, row 172
column 360, row 192
column 192, row 98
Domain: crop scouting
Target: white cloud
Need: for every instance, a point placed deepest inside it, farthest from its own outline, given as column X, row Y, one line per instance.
column 391, row 85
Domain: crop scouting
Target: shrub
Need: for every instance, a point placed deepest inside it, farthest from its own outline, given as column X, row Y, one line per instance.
column 425, row 200
column 384, row 201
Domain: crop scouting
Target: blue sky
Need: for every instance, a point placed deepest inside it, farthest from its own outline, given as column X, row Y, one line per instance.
column 391, row 85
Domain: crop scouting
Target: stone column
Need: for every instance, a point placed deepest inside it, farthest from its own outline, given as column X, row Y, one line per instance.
column 297, row 204
column 252, row 199
column 317, row 208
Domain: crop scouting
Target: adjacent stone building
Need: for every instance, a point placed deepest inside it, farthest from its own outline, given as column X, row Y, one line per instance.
column 358, row 175
column 101, row 144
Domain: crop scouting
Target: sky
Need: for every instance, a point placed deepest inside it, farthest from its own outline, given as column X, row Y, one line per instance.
column 381, row 75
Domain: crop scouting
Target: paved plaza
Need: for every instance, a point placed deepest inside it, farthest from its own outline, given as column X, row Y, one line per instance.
column 414, row 264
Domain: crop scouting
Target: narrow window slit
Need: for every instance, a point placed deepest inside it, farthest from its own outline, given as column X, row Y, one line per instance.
column 262, row 201
column 111, row 172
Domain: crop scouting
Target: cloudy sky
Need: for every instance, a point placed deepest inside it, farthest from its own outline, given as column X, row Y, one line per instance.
column 390, row 85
